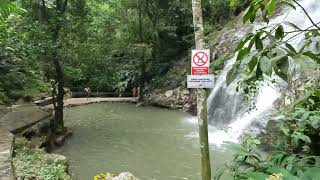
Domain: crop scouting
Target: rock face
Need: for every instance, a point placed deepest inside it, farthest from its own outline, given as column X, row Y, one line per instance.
column 178, row 98
column 21, row 117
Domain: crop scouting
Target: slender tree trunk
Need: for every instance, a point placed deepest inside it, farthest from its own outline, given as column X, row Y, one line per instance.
column 142, row 60
column 201, row 96
column 58, row 114
column 58, row 123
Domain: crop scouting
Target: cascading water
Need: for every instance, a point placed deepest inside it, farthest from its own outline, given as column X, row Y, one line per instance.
column 228, row 117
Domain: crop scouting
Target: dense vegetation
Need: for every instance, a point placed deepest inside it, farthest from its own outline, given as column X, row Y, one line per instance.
column 111, row 46
column 108, row 46
column 293, row 138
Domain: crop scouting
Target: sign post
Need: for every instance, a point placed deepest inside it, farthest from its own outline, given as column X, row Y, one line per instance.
column 200, row 64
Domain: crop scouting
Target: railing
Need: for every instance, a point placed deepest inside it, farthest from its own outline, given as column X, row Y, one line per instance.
column 100, row 94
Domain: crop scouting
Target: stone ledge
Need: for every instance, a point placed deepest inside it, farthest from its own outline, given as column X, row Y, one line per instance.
column 22, row 117
column 6, row 147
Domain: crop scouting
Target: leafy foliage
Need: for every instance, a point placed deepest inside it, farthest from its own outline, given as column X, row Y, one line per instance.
column 273, row 57
column 267, row 53
column 32, row 164
column 250, row 164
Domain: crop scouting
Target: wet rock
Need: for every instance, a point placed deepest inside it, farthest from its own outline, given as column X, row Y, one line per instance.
column 56, row 158
column 178, row 98
column 125, row 176
column 60, row 139
column 169, row 93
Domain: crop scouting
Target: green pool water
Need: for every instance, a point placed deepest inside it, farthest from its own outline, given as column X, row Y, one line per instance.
column 151, row 143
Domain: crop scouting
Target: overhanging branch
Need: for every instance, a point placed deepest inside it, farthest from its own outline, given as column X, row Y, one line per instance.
column 305, row 11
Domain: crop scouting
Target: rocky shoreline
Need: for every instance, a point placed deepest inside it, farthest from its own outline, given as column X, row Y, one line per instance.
column 178, row 99
column 32, row 123
column 25, row 136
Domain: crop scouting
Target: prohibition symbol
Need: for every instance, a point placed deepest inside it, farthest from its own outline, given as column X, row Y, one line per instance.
column 200, row 58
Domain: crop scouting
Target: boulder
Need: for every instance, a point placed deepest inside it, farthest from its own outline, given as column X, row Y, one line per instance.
column 56, row 158
column 60, row 139
column 125, row 176
column 168, row 93
column 22, row 117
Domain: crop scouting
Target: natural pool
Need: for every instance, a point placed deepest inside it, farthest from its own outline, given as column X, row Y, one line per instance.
column 151, row 143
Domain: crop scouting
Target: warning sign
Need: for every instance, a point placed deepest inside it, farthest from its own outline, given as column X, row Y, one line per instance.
column 200, row 62
column 202, row 81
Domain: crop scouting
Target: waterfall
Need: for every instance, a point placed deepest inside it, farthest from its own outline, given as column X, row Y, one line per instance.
column 229, row 118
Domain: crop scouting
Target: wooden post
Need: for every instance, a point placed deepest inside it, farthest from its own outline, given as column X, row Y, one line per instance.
column 201, row 95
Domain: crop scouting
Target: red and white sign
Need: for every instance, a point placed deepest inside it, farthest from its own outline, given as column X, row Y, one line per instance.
column 200, row 62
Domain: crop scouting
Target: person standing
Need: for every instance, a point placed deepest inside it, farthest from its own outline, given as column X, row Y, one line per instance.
column 134, row 92
column 87, row 90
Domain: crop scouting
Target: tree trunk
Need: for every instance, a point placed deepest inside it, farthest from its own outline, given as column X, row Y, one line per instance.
column 142, row 63
column 41, row 12
column 58, row 111
column 201, row 96
column 58, row 123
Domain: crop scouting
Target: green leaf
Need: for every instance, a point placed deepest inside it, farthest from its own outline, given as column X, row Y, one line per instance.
column 271, row 6
column 279, row 32
column 317, row 93
column 305, row 138
column 311, row 173
column 233, row 3
column 258, row 41
column 289, row 46
column 236, row 148
column 253, row 63
column 280, row 170
column 242, row 53
column 256, row 176
column 281, row 65
column 253, row 16
column 243, row 42
column 248, row 13
column 256, row 141
column 305, row 116
column 285, row 130
column 313, row 56
column 233, row 73
column 265, row 65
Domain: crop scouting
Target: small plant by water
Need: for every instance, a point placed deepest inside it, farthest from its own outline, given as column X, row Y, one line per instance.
column 35, row 164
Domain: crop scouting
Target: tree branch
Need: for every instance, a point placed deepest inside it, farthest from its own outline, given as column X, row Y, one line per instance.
column 304, row 10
